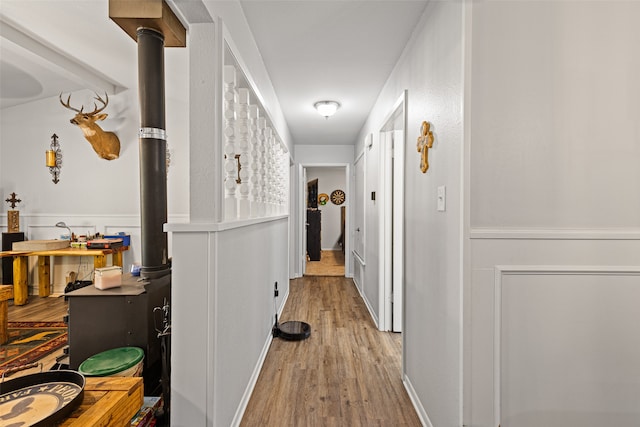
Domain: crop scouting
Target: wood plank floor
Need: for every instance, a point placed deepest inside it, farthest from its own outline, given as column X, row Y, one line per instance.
column 347, row 373
column 331, row 264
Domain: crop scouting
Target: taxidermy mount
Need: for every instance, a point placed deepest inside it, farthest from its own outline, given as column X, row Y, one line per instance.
column 106, row 144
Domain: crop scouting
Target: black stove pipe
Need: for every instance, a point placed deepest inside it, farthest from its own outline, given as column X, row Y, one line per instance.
column 153, row 154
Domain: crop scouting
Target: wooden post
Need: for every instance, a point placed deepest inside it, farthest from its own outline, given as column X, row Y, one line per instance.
column 116, row 257
column 44, row 276
column 6, row 292
column 20, row 284
column 99, row 261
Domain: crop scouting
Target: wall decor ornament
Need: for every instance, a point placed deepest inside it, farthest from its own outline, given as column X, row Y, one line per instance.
column 425, row 141
column 54, row 158
column 323, row 198
column 338, row 197
column 13, row 215
column 105, row 144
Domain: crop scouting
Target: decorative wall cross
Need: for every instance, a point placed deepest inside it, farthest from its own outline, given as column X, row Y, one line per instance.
column 13, row 200
column 425, row 141
column 13, row 217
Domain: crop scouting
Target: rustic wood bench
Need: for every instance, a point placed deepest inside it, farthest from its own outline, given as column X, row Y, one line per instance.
column 6, row 293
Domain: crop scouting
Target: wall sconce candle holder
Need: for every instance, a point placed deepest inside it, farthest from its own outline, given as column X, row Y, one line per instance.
column 54, row 158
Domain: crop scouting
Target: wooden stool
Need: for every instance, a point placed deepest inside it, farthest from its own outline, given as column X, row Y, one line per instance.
column 6, row 293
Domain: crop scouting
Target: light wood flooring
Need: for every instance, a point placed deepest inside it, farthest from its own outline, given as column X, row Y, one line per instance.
column 331, row 264
column 347, row 373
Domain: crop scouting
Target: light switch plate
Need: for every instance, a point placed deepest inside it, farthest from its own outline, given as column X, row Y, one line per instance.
column 442, row 198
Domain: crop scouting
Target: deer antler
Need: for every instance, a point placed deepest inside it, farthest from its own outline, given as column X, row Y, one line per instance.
column 98, row 98
column 69, row 106
column 95, row 111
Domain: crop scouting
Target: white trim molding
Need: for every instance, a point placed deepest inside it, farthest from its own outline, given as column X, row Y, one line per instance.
column 501, row 271
column 422, row 413
column 555, row 233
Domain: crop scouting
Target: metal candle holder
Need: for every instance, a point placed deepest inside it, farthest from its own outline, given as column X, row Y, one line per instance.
column 54, row 158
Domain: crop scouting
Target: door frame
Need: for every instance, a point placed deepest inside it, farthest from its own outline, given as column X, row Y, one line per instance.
column 391, row 223
column 302, row 215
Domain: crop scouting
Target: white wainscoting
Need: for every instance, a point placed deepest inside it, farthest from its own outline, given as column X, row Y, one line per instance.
column 566, row 346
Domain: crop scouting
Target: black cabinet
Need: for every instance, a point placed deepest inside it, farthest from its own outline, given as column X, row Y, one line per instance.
column 125, row 316
column 8, row 239
column 312, row 194
column 313, row 234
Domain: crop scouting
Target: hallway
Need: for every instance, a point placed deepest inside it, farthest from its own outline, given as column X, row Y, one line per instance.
column 346, row 374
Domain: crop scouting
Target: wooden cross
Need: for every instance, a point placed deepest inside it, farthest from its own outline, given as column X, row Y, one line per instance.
column 425, row 141
column 13, row 217
column 13, row 200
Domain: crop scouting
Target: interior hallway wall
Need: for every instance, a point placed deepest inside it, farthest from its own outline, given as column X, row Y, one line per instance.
column 553, row 103
column 431, row 70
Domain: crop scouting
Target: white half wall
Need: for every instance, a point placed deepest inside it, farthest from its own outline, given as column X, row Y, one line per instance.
column 222, row 314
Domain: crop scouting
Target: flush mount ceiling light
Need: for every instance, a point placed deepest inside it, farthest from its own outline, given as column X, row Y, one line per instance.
column 326, row 108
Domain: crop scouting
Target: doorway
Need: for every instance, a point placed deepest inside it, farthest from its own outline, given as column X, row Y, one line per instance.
column 324, row 216
column 392, row 147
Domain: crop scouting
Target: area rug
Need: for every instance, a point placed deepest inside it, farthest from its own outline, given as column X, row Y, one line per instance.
column 31, row 341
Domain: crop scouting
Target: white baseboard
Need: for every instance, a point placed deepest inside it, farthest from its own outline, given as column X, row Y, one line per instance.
column 422, row 414
column 242, row 406
column 367, row 304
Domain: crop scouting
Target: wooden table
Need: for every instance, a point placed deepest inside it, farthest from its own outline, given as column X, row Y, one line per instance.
column 6, row 293
column 21, row 262
column 108, row 401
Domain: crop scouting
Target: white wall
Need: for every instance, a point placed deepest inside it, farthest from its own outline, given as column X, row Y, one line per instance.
column 430, row 69
column 330, row 179
column 323, row 154
column 92, row 194
column 554, row 214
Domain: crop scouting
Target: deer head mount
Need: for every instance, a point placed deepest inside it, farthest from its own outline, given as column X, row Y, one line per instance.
column 106, row 144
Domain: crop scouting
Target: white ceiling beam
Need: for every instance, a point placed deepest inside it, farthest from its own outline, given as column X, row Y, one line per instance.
column 70, row 67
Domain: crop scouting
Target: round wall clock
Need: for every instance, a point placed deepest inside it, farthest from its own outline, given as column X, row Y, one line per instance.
column 323, row 198
column 337, row 197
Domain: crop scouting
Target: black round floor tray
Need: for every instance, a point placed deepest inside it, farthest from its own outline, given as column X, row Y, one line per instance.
column 40, row 399
column 293, row 330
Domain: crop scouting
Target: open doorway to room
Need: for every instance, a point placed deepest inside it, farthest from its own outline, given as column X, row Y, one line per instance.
column 325, row 235
column 392, row 144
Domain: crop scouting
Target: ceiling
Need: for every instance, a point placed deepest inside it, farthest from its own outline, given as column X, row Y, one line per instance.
column 313, row 50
